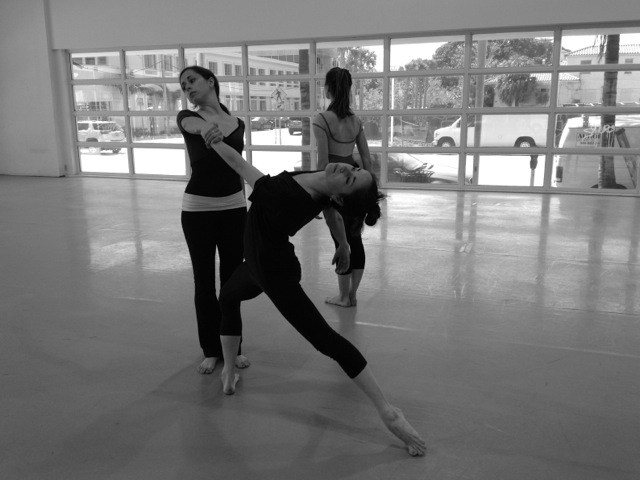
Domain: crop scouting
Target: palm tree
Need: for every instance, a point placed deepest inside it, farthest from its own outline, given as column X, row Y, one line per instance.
column 305, row 104
column 610, row 46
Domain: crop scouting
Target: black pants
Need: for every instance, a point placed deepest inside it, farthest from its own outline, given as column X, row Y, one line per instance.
column 292, row 302
column 206, row 232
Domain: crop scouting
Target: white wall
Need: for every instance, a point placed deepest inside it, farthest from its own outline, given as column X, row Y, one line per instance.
column 77, row 24
column 33, row 141
column 28, row 137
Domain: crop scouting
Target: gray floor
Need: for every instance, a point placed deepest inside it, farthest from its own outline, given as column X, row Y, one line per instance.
column 506, row 326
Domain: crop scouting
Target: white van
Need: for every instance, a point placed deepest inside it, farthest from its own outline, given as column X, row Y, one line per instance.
column 581, row 170
column 497, row 131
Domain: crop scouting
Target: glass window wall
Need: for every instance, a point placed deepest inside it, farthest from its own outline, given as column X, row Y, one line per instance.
column 452, row 111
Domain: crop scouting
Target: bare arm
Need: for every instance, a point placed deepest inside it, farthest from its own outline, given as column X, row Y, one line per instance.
column 197, row 126
column 336, row 225
column 322, row 144
column 213, row 138
column 243, row 168
column 363, row 150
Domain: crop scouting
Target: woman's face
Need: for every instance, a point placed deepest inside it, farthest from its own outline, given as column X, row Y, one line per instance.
column 344, row 179
column 195, row 86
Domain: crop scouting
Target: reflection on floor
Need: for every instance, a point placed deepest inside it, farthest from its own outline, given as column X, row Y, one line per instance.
column 506, row 326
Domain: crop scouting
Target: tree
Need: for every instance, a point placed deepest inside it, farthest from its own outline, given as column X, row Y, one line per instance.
column 610, row 46
column 516, row 88
column 358, row 60
column 305, row 104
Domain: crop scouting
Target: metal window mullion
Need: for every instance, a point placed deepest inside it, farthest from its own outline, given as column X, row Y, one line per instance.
column 244, row 54
column 466, row 86
column 553, row 104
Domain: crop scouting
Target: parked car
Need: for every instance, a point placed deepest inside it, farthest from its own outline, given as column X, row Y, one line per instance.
column 100, row 131
column 295, row 125
column 403, row 167
column 262, row 123
column 497, row 131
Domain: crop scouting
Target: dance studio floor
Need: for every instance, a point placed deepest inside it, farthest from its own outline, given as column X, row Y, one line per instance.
column 506, row 327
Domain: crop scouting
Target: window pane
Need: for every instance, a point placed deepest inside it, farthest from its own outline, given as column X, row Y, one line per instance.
column 215, row 59
column 496, row 131
column 265, row 97
column 100, row 130
column 426, row 92
column 359, row 56
column 512, row 49
column 103, row 162
column 422, row 168
column 292, row 58
column 93, row 66
column 279, row 130
column 588, row 131
column 155, row 96
column 587, row 171
column 586, row 89
column 159, row 161
column 366, row 94
column 427, row 53
column 231, row 96
column 507, row 170
column 152, row 64
column 98, row 97
column 408, row 130
column 589, row 46
column 155, row 129
column 273, row 163
column 372, row 125
column 511, row 90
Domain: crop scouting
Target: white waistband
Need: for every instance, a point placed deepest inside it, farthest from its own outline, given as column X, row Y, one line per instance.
column 198, row 203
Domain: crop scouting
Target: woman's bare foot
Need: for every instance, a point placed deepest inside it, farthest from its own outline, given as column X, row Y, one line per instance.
column 242, row 361
column 398, row 425
column 353, row 300
column 339, row 301
column 208, row 365
column 229, row 380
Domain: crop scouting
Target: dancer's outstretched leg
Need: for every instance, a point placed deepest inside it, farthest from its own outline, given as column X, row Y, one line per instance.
column 390, row 415
column 229, row 376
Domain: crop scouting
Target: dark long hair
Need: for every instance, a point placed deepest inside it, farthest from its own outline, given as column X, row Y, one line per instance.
column 207, row 74
column 363, row 203
column 338, row 83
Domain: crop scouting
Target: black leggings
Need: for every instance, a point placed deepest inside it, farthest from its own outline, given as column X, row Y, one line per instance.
column 293, row 303
column 205, row 232
column 353, row 230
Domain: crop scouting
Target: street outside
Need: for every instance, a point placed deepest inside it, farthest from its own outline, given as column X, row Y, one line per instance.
column 496, row 170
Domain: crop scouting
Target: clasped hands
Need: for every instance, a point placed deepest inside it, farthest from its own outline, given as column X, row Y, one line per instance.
column 211, row 134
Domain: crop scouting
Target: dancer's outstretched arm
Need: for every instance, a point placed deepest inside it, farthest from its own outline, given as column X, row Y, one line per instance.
column 251, row 174
column 336, row 225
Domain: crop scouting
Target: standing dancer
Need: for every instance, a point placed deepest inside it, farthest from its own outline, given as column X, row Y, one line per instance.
column 214, row 209
column 337, row 131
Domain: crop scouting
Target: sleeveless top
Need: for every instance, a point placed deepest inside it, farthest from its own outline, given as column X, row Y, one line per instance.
column 333, row 158
column 213, row 184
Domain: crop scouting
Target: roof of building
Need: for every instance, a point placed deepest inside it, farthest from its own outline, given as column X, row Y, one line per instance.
column 543, row 77
column 629, row 49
